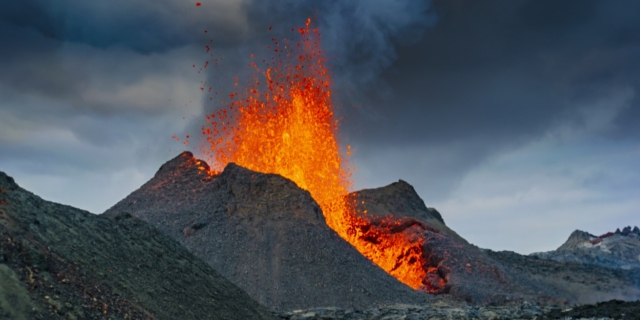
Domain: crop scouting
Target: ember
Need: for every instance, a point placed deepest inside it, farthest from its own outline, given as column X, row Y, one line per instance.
column 283, row 122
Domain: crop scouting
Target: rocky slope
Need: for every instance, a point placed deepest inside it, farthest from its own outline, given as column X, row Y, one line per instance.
column 58, row 262
column 264, row 234
column 470, row 274
column 486, row 276
column 400, row 198
column 618, row 250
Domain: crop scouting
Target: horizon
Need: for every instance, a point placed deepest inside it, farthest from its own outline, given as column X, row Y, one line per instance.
column 517, row 122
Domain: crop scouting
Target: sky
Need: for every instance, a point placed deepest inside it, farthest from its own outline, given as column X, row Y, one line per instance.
column 518, row 120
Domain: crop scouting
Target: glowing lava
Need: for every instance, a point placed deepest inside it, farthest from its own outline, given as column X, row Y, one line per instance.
column 283, row 122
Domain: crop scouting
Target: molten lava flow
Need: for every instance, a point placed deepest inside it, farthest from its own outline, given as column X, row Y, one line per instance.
column 283, row 122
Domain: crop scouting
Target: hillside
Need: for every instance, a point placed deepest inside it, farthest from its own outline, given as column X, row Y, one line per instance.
column 57, row 261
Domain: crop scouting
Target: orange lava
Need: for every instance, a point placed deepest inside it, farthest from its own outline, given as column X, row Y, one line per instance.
column 283, row 122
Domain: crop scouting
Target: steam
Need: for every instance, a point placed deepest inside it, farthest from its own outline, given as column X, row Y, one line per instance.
column 359, row 37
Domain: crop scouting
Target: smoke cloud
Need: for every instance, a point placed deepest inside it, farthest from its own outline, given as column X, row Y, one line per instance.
column 470, row 101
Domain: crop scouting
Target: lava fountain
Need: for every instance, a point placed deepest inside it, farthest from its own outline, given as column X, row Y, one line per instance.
column 283, row 122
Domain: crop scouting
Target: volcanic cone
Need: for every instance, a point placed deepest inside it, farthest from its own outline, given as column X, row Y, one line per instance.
column 263, row 233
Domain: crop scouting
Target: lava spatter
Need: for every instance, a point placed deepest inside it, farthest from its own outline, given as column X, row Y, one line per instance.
column 283, row 122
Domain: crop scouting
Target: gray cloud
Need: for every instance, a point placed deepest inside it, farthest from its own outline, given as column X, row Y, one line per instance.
column 497, row 69
column 357, row 36
column 144, row 26
column 91, row 106
column 432, row 92
column 503, row 74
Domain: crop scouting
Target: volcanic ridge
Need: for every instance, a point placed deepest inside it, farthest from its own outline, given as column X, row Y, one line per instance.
column 268, row 236
column 59, row 262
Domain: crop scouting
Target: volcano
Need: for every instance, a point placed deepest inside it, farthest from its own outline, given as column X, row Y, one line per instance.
column 272, row 210
column 282, row 121
column 270, row 237
column 265, row 234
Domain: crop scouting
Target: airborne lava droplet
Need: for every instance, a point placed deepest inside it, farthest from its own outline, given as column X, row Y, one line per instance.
column 283, row 122
column 198, row 4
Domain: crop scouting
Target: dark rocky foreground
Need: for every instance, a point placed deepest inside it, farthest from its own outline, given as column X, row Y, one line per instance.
column 409, row 312
column 264, row 234
column 58, row 262
column 614, row 309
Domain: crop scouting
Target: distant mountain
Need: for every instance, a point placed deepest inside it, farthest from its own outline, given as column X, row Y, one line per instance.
column 59, row 262
column 619, row 249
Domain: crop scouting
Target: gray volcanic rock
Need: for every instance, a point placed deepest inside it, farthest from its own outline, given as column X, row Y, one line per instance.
column 264, row 234
column 613, row 309
column 401, row 199
column 437, row 311
column 398, row 197
column 470, row 275
column 577, row 239
column 58, row 262
column 619, row 250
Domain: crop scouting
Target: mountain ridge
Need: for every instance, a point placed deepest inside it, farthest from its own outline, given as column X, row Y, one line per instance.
column 617, row 250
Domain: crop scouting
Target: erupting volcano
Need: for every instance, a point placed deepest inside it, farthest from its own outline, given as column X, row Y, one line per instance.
column 283, row 122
